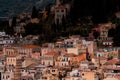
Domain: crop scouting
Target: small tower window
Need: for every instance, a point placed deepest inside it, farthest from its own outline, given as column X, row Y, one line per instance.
column 57, row 10
column 62, row 10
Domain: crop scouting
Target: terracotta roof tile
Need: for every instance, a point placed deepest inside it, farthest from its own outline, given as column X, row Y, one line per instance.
column 118, row 63
column 71, row 55
column 26, row 76
column 60, row 7
column 31, row 46
column 113, row 61
column 101, row 58
column 118, row 77
column 1, row 52
column 51, row 53
column 95, row 28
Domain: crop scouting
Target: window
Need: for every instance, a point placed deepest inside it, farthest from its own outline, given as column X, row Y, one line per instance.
column 3, row 76
column 75, row 59
column 83, row 74
column 8, row 60
column 13, row 59
column 57, row 10
column 7, row 77
column 110, row 43
column 71, row 42
column 48, row 71
column 43, row 63
column 62, row 10
column 48, row 63
column 65, row 64
column 44, row 77
column 22, row 70
column 53, row 70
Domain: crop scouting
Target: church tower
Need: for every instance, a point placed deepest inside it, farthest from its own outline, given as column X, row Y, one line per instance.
column 60, row 12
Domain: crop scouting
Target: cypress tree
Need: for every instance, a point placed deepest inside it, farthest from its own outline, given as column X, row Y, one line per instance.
column 34, row 12
column 14, row 21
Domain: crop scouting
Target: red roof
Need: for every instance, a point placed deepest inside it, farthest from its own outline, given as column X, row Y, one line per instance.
column 51, row 53
column 107, row 40
column 113, row 61
column 60, row 7
column 71, row 55
column 1, row 52
column 95, row 29
column 118, row 77
column 31, row 46
column 101, row 58
column 26, row 77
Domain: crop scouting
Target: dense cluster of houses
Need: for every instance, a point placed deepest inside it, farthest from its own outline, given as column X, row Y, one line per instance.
column 70, row 58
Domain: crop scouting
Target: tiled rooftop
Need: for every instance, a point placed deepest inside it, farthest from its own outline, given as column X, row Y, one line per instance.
column 31, row 46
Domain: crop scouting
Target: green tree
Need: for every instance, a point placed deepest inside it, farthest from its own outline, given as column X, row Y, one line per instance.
column 34, row 12
column 63, row 24
column 33, row 28
column 48, row 9
column 111, row 32
column 96, row 34
column 14, row 22
column 116, row 37
column 54, row 27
